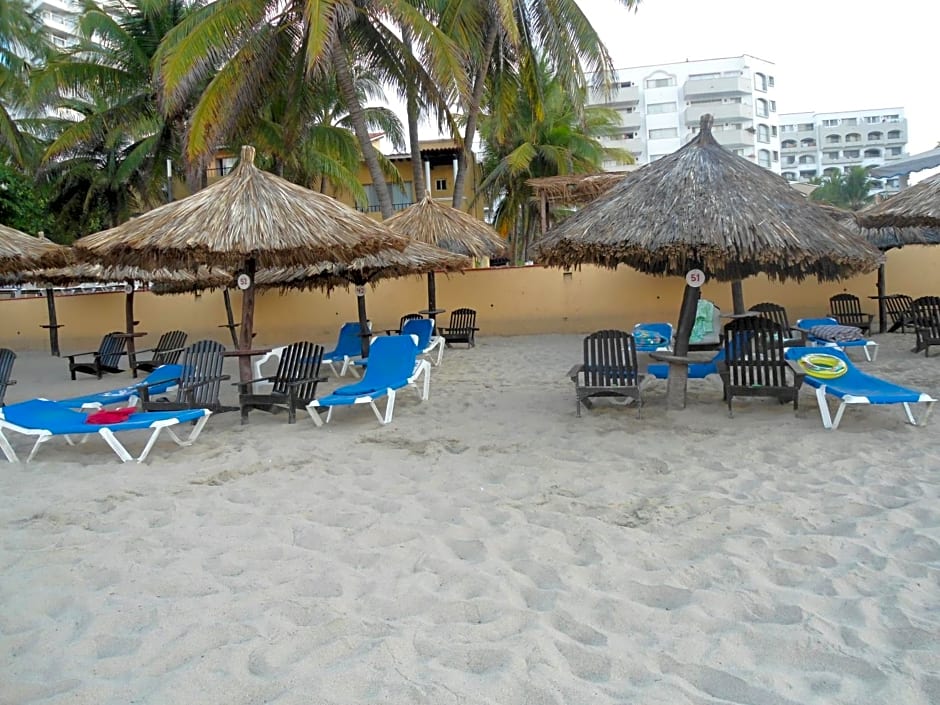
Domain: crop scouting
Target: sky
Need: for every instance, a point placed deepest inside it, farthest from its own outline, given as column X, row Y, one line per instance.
column 830, row 55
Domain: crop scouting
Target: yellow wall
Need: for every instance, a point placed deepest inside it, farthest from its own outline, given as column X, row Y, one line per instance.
column 508, row 300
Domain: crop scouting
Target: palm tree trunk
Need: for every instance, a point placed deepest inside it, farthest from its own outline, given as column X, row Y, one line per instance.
column 346, row 85
column 413, row 114
column 473, row 112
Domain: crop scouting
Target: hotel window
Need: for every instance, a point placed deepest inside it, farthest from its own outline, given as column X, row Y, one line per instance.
column 773, row 106
column 850, row 154
column 808, row 174
column 762, row 108
column 776, row 155
column 805, row 127
column 831, row 155
column 872, row 153
column 788, row 128
column 832, row 171
column 770, row 81
column 872, row 119
column 660, row 82
column 660, row 108
column 874, row 136
column 789, row 160
column 833, row 139
column 789, row 176
column 894, row 134
column 773, row 130
column 830, row 123
column 894, row 151
column 663, row 133
column 853, row 137
column 788, row 144
column 760, row 82
column 763, row 133
column 891, row 118
column 763, row 157
column 807, row 159
column 440, row 184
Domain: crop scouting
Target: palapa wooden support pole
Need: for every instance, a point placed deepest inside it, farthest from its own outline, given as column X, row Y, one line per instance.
column 882, row 323
column 53, row 323
column 129, row 324
column 432, row 295
column 543, row 212
column 230, row 316
column 737, row 297
column 248, row 321
column 364, row 332
column 679, row 373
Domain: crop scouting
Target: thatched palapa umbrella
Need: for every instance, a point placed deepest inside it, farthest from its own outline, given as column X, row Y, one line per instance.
column 247, row 220
column 20, row 252
column 885, row 238
column 916, row 206
column 414, row 258
column 704, row 208
column 449, row 229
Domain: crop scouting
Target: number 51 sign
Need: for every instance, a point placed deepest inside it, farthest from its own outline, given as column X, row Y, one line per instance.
column 695, row 278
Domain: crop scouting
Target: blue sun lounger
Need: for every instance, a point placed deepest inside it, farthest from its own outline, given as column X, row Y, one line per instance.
column 348, row 349
column 652, row 337
column 393, row 365
column 44, row 419
column 697, row 370
column 807, row 325
column 422, row 330
column 839, row 377
column 161, row 380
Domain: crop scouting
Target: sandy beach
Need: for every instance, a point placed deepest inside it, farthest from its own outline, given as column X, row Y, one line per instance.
column 487, row 547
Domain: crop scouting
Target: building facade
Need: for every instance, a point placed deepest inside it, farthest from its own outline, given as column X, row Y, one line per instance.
column 58, row 19
column 816, row 144
column 660, row 108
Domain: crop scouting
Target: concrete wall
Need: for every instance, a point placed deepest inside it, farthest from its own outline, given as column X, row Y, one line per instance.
column 509, row 301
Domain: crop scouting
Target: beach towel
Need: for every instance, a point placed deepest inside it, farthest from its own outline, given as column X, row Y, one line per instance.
column 836, row 334
column 704, row 326
column 107, row 416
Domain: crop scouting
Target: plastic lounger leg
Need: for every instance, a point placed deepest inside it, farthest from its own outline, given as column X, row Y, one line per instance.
column 7, row 448
column 389, row 408
column 824, row 408
column 913, row 419
column 108, row 435
column 422, row 370
column 314, row 412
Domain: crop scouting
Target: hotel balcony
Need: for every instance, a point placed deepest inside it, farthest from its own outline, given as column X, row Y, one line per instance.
column 734, row 85
column 630, row 121
column 734, row 138
column 631, row 145
column 722, row 112
column 627, row 95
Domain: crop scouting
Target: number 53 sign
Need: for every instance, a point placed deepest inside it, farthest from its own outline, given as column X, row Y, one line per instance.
column 695, row 278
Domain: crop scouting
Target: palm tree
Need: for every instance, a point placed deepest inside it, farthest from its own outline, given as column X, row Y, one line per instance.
column 538, row 129
column 558, row 30
column 244, row 50
column 851, row 190
column 107, row 80
column 23, row 46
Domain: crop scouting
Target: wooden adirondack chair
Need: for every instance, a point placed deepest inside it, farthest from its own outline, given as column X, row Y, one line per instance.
column 462, row 328
column 295, row 382
column 106, row 358
column 401, row 323
column 898, row 308
column 168, row 351
column 7, row 358
column 198, row 385
column 847, row 310
column 778, row 314
column 609, row 369
column 755, row 365
column 926, row 316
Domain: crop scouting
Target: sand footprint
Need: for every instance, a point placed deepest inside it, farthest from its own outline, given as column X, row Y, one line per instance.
column 585, row 663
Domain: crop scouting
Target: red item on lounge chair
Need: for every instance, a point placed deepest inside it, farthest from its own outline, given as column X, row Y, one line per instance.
column 107, row 416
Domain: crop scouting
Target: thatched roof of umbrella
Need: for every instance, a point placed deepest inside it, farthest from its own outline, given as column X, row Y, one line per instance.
column 885, row 238
column 575, row 189
column 448, row 228
column 918, row 205
column 704, row 207
column 248, row 214
column 19, row 251
column 202, row 277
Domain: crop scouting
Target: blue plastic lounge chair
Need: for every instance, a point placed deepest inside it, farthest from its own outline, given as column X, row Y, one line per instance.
column 393, row 365
column 161, row 380
column 44, row 419
column 697, row 370
column 824, row 326
column 423, row 331
column 348, row 349
column 652, row 337
column 839, row 377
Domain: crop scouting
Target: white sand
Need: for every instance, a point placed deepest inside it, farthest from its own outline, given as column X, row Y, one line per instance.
column 486, row 547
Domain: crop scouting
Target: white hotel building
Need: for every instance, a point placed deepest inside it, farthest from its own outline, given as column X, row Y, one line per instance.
column 817, row 144
column 660, row 108
column 58, row 19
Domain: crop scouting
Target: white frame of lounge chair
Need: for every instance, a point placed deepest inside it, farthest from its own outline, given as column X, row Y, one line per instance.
column 869, row 345
column 832, row 422
column 422, row 369
column 43, row 435
column 437, row 341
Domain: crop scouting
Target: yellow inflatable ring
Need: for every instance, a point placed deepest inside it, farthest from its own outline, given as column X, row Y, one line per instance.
column 823, row 366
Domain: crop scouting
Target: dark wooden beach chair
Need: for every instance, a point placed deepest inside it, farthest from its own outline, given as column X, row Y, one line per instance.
column 847, row 310
column 898, row 308
column 7, row 358
column 107, row 358
column 401, row 323
column 609, row 369
column 926, row 317
column 199, row 384
column 755, row 365
column 462, row 328
column 778, row 314
column 167, row 352
column 295, row 382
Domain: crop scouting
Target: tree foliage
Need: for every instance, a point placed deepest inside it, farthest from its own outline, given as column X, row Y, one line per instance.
column 851, row 190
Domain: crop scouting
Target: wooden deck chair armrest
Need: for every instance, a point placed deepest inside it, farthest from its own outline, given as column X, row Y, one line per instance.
column 574, row 372
column 203, row 382
column 306, row 380
column 146, row 387
column 269, row 378
column 74, row 355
